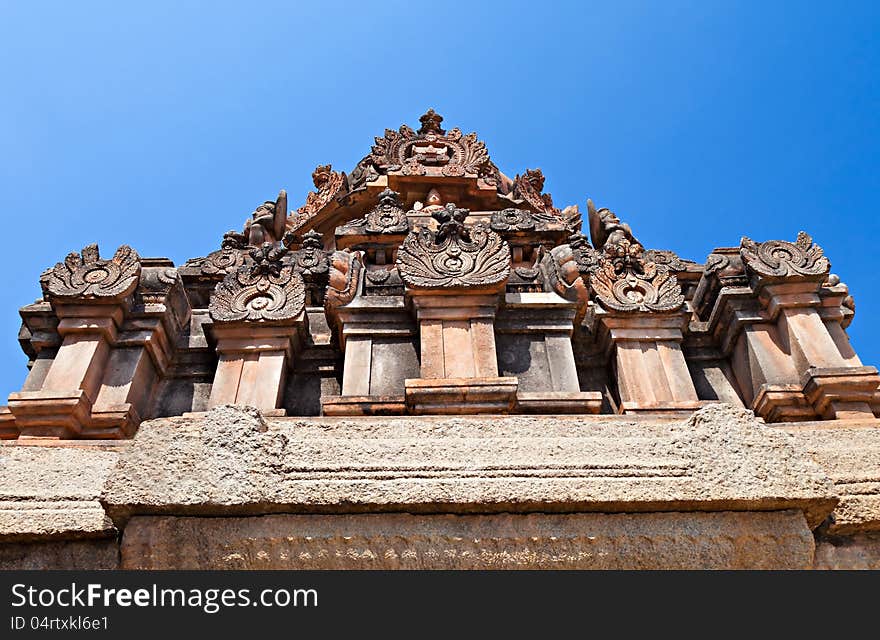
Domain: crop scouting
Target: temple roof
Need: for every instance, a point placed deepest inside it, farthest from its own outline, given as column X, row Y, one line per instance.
column 456, row 166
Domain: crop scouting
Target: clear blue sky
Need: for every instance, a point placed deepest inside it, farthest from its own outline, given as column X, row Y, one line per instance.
column 162, row 124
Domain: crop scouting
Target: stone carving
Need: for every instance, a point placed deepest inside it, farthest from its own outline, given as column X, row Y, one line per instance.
column 387, row 216
column 227, row 259
column 155, row 282
column 512, row 219
column 311, row 259
column 344, row 279
column 264, row 289
column 267, row 222
column 86, row 275
column 454, row 255
column 652, row 289
column 530, row 188
column 606, row 228
column 328, row 185
column 668, row 259
column 411, row 152
column 565, row 267
column 780, row 259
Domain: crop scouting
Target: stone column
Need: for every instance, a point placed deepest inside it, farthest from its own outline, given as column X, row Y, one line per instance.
column 537, row 327
column 142, row 352
column 90, row 297
column 259, row 324
column 787, row 279
column 454, row 278
column 640, row 322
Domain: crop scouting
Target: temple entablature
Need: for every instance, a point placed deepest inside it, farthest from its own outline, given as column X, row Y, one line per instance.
column 426, row 281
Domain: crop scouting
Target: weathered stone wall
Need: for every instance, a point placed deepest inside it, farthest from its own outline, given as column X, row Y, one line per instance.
column 233, row 489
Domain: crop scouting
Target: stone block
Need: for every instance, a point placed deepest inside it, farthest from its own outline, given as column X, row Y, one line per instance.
column 52, row 492
column 231, row 461
column 725, row 540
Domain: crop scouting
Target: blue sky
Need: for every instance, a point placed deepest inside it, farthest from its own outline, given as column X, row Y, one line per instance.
column 163, row 124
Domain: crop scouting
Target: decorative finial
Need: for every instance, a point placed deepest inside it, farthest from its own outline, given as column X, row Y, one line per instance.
column 431, row 123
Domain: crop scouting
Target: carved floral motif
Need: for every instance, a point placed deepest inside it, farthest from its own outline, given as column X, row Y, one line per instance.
column 654, row 289
column 265, row 288
column 778, row 258
column 86, row 275
column 411, row 152
column 454, row 255
column 512, row 219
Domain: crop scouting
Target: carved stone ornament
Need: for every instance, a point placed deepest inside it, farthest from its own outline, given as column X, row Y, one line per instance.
column 454, row 256
column 778, row 258
column 344, row 281
column 311, row 259
column 512, row 219
column 564, row 268
column 155, row 282
column 668, row 259
column 86, row 275
column 226, row 260
column 410, row 152
column 652, row 289
column 388, row 216
column 264, row 289
column 328, row 185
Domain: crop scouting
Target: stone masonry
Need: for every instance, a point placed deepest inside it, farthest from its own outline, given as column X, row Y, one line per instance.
column 430, row 365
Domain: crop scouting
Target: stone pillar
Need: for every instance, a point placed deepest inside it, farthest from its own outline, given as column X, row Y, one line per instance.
column 787, row 279
column 90, row 297
column 142, row 352
column 537, row 328
column 640, row 322
column 259, row 324
column 652, row 374
column 454, row 278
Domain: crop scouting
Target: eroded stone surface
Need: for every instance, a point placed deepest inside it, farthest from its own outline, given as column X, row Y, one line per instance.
column 59, row 555
column 860, row 551
column 851, row 457
column 48, row 492
column 232, row 461
column 773, row 540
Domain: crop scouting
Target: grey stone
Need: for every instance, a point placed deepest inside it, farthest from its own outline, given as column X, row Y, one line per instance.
column 223, row 463
column 725, row 540
column 52, row 492
column 850, row 455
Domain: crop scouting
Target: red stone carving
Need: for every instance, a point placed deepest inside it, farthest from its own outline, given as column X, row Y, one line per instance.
column 86, row 275
column 454, row 256
column 264, row 289
column 779, row 259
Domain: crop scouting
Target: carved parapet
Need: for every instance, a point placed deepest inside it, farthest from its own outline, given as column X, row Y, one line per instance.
column 259, row 324
column 778, row 314
column 119, row 337
column 454, row 278
column 201, row 275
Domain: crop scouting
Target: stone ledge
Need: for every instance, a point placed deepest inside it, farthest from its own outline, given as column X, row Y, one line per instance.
column 849, row 452
column 230, row 461
column 772, row 540
column 51, row 492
